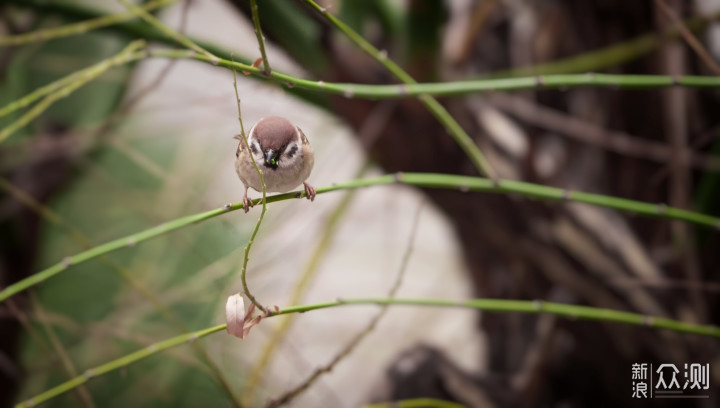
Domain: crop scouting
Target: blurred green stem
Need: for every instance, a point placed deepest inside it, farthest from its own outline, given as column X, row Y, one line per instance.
column 66, row 86
column 488, row 305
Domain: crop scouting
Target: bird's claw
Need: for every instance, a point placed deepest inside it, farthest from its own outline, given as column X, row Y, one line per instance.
column 310, row 192
column 247, row 203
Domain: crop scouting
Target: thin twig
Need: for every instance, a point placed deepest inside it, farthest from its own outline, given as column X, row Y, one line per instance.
column 465, row 142
column 59, row 349
column 586, row 132
column 675, row 124
column 246, row 289
column 260, row 37
column 180, row 38
column 427, row 180
column 489, row 305
column 80, row 27
column 689, row 37
column 305, row 385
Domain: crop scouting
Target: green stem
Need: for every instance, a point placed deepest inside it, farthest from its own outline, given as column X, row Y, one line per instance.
column 428, row 180
column 260, row 38
column 246, row 258
column 488, row 305
column 441, row 114
column 459, row 88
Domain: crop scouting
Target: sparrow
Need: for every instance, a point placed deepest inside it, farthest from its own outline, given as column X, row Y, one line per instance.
column 283, row 153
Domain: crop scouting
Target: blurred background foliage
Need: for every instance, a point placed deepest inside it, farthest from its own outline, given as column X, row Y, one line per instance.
column 107, row 173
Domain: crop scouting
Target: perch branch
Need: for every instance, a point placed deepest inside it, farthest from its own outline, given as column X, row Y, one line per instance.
column 427, row 180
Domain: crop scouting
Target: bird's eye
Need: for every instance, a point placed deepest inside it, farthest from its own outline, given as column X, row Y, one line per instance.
column 253, row 148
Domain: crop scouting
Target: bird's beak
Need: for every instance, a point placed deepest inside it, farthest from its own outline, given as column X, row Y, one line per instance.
column 271, row 158
column 238, row 137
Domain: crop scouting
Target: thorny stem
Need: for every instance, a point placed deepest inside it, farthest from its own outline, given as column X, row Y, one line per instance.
column 260, row 38
column 488, row 305
column 246, row 289
column 426, row 180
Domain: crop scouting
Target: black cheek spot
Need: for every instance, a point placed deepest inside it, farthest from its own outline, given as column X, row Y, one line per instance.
column 292, row 151
column 254, row 150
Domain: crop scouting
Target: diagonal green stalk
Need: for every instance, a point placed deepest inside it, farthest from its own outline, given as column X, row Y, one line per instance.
column 488, row 305
column 249, row 245
column 66, row 86
column 260, row 38
column 427, row 180
column 439, row 111
column 179, row 37
column 80, row 27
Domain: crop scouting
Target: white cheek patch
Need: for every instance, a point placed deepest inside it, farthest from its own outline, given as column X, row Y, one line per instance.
column 292, row 150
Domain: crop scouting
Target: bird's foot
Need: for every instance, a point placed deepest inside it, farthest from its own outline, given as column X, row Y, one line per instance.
column 247, row 203
column 309, row 191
